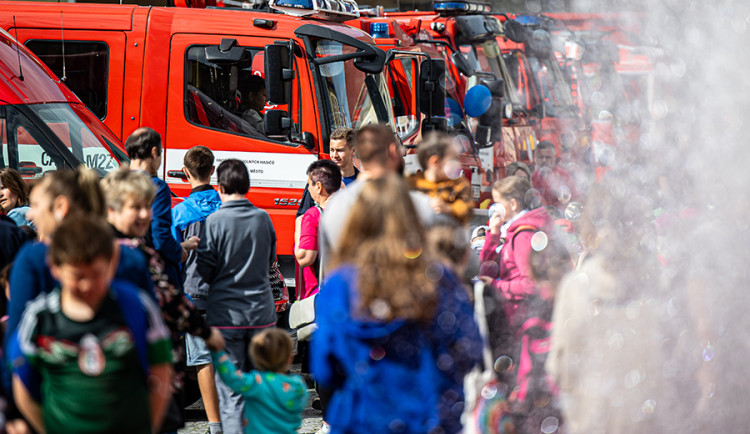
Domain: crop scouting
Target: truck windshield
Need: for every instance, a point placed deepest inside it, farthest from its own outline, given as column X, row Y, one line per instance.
column 29, row 143
column 353, row 97
column 487, row 57
column 555, row 89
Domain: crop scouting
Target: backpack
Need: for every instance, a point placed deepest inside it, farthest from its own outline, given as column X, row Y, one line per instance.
column 533, row 345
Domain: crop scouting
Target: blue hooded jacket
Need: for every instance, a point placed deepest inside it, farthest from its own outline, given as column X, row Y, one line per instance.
column 399, row 376
column 188, row 218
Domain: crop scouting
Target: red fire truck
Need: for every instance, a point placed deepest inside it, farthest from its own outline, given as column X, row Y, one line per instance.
column 465, row 35
column 529, row 48
column 184, row 72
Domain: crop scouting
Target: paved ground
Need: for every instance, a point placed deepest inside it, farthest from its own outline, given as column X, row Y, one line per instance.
column 196, row 422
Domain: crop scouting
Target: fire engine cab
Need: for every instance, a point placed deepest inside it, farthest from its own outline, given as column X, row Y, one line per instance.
column 189, row 74
column 529, row 47
column 482, row 101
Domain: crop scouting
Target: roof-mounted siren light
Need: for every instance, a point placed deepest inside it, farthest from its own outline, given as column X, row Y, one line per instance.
column 379, row 30
column 330, row 10
column 461, row 7
column 529, row 21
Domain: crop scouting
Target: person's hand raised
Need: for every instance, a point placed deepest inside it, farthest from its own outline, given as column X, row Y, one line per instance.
column 216, row 340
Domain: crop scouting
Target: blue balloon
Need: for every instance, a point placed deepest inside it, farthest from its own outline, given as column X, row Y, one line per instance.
column 477, row 101
column 453, row 112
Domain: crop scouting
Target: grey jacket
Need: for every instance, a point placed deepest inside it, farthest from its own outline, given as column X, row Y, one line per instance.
column 235, row 255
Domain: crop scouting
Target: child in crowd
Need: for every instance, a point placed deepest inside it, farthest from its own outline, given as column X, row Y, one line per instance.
column 100, row 347
column 188, row 219
column 274, row 400
column 442, row 179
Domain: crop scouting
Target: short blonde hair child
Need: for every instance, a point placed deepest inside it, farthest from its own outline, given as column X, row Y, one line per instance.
column 271, row 350
column 122, row 184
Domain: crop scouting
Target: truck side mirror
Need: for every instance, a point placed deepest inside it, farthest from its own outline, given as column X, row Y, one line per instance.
column 460, row 62
column 496, row 87
column 540, row 42
column 277, row 123
column 432, row 87
column 515, row 31
column 278, row 74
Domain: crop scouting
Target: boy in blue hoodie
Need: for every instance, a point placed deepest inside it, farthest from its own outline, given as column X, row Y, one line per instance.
column 188, row 218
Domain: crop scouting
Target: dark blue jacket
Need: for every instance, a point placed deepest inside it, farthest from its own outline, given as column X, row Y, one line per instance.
column 188, row 218
column 11, row 239
column 401, row 372
column 160, row 234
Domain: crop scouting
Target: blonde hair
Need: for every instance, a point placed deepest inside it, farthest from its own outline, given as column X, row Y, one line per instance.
column 121, row 184
column 385, row 240
column 514, row 187
column 271, row 349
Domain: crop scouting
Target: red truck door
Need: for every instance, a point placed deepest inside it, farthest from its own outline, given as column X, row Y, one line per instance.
column 207, row 103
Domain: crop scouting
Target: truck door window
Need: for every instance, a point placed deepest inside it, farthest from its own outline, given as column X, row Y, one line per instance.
column 86, row 69
column 228, row 96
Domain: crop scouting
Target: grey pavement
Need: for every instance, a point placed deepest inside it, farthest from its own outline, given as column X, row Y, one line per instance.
column 197, row 423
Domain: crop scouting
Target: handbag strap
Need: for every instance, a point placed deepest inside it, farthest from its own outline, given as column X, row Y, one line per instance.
column 480, row 316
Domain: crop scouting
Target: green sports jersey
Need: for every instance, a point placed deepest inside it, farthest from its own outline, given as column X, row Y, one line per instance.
column 92, row 381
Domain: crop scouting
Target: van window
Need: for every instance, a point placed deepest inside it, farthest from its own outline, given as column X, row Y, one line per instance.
column 228, row 96
column 24, row 147
column 86, row 69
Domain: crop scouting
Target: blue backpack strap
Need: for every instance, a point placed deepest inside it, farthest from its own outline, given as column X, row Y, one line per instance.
column 133, row 312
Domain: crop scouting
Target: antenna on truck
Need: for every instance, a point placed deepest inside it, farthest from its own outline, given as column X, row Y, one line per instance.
column 18, row 50
column 62, row 37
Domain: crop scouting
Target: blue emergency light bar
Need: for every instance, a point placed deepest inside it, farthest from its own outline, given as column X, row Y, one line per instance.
column 379, row 30
column 331, row 10
column 529, row 20
column 461, row 7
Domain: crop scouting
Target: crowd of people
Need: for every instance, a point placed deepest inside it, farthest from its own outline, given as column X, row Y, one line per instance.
column 104, row 278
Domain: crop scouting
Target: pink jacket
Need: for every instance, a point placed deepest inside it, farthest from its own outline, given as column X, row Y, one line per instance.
column 510, row 267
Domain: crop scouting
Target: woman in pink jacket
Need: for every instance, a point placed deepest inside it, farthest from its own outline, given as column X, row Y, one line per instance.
column 505, row 256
